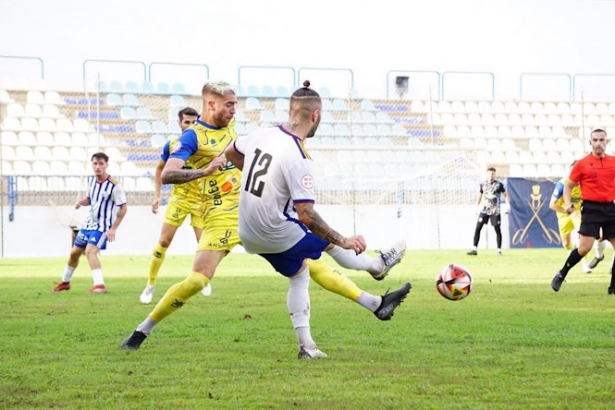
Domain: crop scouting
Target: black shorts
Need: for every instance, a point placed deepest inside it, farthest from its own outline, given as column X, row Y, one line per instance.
column 484, row 218
column 596, row 215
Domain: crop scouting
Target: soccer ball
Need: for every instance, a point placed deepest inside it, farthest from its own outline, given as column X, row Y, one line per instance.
column 454, row 282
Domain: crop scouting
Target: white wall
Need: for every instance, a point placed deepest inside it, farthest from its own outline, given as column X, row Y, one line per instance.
column 506, row 37
column 44, row 231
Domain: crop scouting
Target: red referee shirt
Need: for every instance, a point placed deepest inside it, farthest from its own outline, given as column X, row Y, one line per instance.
column 596, row 176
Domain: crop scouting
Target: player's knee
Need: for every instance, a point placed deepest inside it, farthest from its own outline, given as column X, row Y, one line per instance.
column 165, row 242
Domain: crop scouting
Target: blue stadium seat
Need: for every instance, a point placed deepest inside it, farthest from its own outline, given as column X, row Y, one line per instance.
column 144, row 113
column 148, row 88
column 173, row 127
column 367, row 105
column 252, row 91
column 116, row 87
column 130, row 100
column 174, row 113
column 159, row 127
column 103, row 87
column 267, row 91
column 158, row 140
column 339, row 105
column 178, row 88
column 177, row 101
column 131, row 87
column 143, row 127
column 163, row 88
column 282, row 92
column 252, row 103
column 241, row 92
column 128, row 113
column 324, row 92
column 114, row 100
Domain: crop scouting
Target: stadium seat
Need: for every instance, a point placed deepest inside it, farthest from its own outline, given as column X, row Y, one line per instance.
column 340, row 105
column 177, row 101
column 114, row 100
column 282, row 92
column 58, row 168
column 77, row 168
column 158, row 140
column 368, row 105
column 24, row 153
column 15, row 110
column 128, row 113
column 463, row 131
column 116, row 87
column 51, row 111
column 131, row 87
column 41, row 167
column 114, row 155
column 266, row 117
column 160, row 127
column 240, row 128
column 252, row 91
column 508, row 144
column 143, row 127
column 9, row 138
column 576, row 145
column 129, row 168
column 163, row 88
column 532, row 132
column 494, row 144
column 78, row 153
column 341, row 130
column 281, row 104
column 529, row 170
column 60, row 153
column 7, row 168
column 240, row 116
column 281, row 116
column 383, row 118
column 443, row 106
column 179, row 89
column 543, row 170
column 42, row 153
column 5, row 98
column 384, row 130
column 558, row 170
column 512, row 157
column 21, row 167
column 130, row 100
column 148, row 88
column 252, row 103
column 324, row 92
column 267, row 91
column 35, row 97
column 539, row 157
column 553, row 157
column 398, row 130
column 173, row 127
column 567, row 157
column 26, row 138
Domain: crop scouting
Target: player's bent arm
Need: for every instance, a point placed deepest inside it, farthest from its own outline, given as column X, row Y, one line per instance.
column 174, row 174
column 234, row 156
column 568, row 186
column 480, row 198
column 120, row 216
column 310, row 218
column 555, row 207
column 83, row 202
column 157, row 185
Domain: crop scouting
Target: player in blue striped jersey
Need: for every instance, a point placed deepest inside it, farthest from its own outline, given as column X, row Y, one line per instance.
column 108, row 207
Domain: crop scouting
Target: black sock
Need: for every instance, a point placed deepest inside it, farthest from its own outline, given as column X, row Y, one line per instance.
column 572, row 260
column 612, row 276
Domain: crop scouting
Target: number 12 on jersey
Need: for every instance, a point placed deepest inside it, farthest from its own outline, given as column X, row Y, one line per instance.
column 253, row 185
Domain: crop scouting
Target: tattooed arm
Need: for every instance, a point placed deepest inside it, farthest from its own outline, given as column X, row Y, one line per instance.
column 174, row 174
column 310, row 218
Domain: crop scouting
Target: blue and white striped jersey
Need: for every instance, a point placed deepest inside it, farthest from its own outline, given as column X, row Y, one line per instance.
column 105, row 199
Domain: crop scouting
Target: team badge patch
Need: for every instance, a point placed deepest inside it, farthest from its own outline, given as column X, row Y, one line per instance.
column 177, row 147
column 307, row 181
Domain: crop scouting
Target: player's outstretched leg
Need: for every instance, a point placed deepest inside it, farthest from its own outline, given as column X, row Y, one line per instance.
column 390, row 258
column 390, row 301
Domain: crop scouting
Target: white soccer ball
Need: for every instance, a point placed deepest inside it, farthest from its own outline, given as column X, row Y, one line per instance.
column 454, row 282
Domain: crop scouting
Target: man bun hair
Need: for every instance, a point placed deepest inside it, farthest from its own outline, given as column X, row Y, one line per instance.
column 306, row 84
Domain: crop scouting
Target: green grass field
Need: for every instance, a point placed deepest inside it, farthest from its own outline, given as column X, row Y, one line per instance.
column 513, row 343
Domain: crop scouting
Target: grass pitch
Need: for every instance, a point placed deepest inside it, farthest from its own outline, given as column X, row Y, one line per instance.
column 513, row 343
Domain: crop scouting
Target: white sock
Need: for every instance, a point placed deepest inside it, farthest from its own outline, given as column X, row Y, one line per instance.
column 97, row 277
column 369, row 301
column 348, row 259
column 147, row 326
column 68, row 273
column 599, row 248
column 298, row 303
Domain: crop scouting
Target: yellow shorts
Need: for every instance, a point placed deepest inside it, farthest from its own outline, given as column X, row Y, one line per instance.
column 220, row 232
column 179, row 208
column 567, row 224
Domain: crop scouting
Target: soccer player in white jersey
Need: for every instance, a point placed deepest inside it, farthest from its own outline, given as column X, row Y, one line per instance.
column 108, row 208
column 277, row 219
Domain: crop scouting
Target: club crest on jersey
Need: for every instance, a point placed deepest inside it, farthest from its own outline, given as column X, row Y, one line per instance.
column 307, row 181
column 177, row 147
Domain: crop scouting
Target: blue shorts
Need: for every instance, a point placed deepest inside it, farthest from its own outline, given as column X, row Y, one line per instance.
column 96, row 238
column 289, row 262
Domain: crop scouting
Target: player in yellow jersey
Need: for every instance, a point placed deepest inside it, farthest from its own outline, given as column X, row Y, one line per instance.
column 185, row 200
column 199, row 153
column 569, row 223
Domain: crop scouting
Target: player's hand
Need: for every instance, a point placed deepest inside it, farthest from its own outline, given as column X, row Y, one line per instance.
column 569, row 209
column 506, row 208
column 478, row 209
column 155, row 205
column 78, row 205
column 355, row 243
column 111, row 235
column 217, row 164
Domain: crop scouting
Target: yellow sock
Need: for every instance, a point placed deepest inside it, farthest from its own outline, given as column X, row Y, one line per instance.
column 178, row 295
column 569, row 247
column 155, row 264
column 332, row 280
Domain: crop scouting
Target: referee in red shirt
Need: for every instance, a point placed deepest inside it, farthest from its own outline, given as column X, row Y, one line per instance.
column 596, row 175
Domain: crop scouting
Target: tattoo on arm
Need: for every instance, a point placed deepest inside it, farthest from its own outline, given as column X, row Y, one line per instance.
column 320, row 228
column 180, row 176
